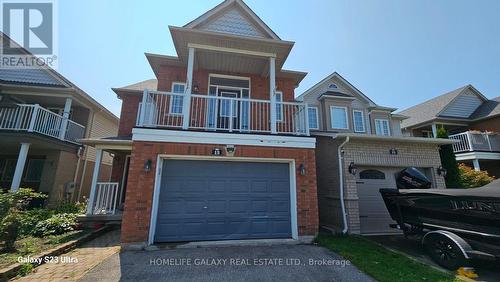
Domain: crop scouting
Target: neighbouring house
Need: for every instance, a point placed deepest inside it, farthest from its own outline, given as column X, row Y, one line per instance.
column 470, row 118
column 215, row 147
column 359, row 150
column 42, row 117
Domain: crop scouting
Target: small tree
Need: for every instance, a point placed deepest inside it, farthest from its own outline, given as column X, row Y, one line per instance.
column 449, row 162
column 471, row 178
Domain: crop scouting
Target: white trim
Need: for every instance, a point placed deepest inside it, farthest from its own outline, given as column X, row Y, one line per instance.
column 317, row 116
column 183, row 136
column 170, row 112
column 232, row 50
column 346, row 117
column 388, row 126
column 382, row 138
column 362, row 120
column 157, row 185
column 228, row 76
column 477, row 156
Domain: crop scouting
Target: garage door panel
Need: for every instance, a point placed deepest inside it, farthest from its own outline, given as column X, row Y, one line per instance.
column 374, row 217
column 214, row 200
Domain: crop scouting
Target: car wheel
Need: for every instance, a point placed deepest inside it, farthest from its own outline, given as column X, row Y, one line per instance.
column 445, row 251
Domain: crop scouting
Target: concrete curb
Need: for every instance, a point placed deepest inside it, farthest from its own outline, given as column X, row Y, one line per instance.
column 11, row 270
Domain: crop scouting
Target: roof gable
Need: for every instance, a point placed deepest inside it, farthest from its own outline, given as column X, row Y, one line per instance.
column 464, row 104
column 335, row 82
column 233, row 17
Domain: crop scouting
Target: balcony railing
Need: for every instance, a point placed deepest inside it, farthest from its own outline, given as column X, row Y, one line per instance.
column 167, row 110
column 33, row 118
column 470, row 141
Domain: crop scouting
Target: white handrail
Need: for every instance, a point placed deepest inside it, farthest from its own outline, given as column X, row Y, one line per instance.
column 476, row 141
column 34, row 118
column 216, row 113
column 106, row 198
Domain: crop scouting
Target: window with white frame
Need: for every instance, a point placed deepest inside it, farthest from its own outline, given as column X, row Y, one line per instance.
column 312, row 113
column 176, row 100
column 338, row 116
column 358, row 120
column 279, row 106
column 382, row 127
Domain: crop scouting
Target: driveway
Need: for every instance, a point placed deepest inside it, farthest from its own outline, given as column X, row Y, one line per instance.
column 262, row 263
column 487, row 271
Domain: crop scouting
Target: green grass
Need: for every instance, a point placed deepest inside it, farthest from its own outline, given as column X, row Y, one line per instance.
column 380, row 263
column 30, row 246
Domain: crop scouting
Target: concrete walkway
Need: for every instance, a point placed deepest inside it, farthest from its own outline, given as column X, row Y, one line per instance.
column 73, row 265
column 236, row 263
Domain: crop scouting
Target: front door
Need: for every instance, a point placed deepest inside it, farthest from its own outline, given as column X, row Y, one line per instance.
column 229, row 109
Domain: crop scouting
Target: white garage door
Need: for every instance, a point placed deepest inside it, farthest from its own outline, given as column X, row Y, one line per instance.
column 373, row 215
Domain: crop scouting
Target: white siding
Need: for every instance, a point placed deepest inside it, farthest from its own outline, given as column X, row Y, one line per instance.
column 396, row 127
column 102, row 127
column 234, row 22
column 463, row 106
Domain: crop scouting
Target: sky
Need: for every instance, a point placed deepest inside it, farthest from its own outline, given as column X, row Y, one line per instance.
column 397, row 52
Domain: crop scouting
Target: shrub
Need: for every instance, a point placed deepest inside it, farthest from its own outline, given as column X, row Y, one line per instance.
column 56, row 225
column 471, row 178
column 12, row 207
column 67, row 207
column 449, row 162
column 30, row 218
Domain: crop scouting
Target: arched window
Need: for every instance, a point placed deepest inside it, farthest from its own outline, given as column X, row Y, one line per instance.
column 332, row 86
column 371, row 174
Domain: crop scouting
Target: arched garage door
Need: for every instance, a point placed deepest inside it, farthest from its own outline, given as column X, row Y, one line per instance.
column 219, row 200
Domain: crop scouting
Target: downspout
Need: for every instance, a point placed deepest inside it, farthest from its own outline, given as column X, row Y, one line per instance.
column 341, row 178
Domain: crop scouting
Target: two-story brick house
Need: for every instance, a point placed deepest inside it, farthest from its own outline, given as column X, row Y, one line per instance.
column 359, row 150
column 215, row 147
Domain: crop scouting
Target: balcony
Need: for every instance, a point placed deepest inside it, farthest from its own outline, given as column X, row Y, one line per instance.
column 34, row 118
column 224, row 114
column 475, row 141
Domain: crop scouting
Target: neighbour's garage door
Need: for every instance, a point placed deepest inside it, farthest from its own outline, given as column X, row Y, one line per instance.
column 216, row 200
column 373, row 215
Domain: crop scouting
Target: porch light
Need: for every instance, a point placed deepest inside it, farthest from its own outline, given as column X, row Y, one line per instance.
column 196, row 88
column 442, row 171
column 302, row 169
column 147, row 165
column 353, row 168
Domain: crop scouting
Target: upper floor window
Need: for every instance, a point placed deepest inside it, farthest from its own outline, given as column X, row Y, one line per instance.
column 176, row 100
column 279, row 106
column 382, row 127
column 312, row 113
column 332, row 86
column 338, row 116
column 358, row 120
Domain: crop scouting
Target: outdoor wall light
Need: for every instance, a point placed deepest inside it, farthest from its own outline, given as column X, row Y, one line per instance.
column 147, row 165
column 302, row 169
column 216, row 152
column 353, row 168
column 196, row 88
column 442, row 171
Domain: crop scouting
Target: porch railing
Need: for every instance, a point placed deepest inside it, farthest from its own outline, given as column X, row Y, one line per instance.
column 34, row 118
column 206, row 112
column 106, row 198
column 476, row 141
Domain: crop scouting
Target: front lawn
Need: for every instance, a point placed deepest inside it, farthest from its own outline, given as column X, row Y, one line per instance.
column 32, row 246
column 380, row 263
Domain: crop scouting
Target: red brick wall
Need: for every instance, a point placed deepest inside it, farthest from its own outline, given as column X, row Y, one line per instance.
column 139, row 195
column 259, row 90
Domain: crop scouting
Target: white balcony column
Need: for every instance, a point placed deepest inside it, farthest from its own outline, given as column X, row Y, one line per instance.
column 144, row 108
column 306, row 119
column 21, row 161
column 475, row 163
column 272, row 92
column 186, row 103
column 64, row 123
column 434, row 130
column 95, row 177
